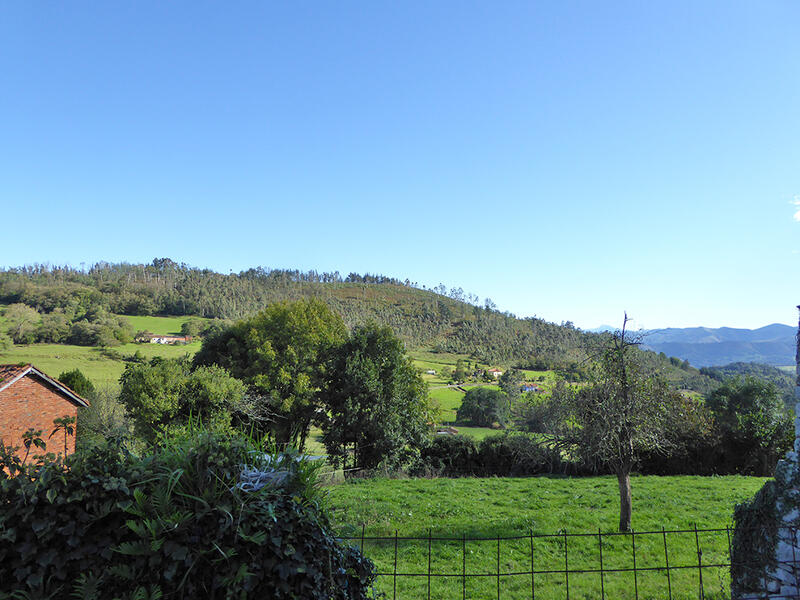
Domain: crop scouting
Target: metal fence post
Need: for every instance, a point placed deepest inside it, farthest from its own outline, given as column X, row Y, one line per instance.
column 566, row 563
column 394, row 575
column 602, row 584
column 464, row 566
column 635, row 576
column 533, row 583
column 429, row 564
column 498, row 567
column 666, row 562
column 699, row 562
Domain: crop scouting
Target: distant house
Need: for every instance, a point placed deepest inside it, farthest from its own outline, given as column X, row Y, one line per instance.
column 530, row 387
column 430, row 372
column 446, row 431
column 496, row 373
column 31, row 399
column 170, row 339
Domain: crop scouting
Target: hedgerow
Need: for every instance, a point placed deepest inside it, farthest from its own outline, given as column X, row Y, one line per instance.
column 174, row 523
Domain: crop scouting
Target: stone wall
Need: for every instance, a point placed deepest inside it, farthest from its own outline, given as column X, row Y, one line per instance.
column 765, row 553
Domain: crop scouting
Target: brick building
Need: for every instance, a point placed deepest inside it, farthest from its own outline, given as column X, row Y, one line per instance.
column 31, row 399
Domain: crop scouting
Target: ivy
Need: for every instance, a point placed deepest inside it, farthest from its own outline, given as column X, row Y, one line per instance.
column 169, row 524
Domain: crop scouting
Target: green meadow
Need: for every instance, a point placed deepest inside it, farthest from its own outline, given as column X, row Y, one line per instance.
column 511, row 507
column 103, row 367
column 448, row 400
column 161, row 325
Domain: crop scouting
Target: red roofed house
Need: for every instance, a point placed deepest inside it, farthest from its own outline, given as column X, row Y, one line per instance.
column 496, row 373
column 31, row 399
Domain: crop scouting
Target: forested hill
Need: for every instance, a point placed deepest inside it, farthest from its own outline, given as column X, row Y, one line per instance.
column 703, row 346
column 447, row 321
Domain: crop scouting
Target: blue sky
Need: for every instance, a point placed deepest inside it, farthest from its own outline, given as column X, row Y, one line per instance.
column 570, row 160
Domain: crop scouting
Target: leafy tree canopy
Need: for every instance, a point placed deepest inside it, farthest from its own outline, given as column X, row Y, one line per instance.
column 484, row 406
column 166, row 393
column 376, row 400
column 752, row 420
column 511, row 382
column 280, row 353
column 77, row 382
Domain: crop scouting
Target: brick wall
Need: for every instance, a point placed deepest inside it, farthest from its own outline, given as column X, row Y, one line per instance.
column 31, row 402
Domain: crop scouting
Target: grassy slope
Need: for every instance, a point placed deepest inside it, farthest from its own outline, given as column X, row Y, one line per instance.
column 160, row 325
column 104, row 369
column 101, row 368
column 509, row 507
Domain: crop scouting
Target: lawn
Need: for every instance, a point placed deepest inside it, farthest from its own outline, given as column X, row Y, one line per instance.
column 99, row 366
column 477, row 433
column 449, row 400
column 102, row 368
column 487, row 508
column 161, row 325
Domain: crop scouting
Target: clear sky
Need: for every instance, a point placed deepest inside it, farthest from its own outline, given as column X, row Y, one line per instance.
column 570, row 160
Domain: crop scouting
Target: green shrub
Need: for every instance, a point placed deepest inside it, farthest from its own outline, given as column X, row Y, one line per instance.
column 448, row 456
column 518, row 454
column 504, row 455
column 173, row 524
column 77, row 382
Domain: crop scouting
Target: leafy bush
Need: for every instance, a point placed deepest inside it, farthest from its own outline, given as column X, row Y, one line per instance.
column 77, row 382
column 506, row 455
column 172, row 523
column 449, row 456
column 518, row 454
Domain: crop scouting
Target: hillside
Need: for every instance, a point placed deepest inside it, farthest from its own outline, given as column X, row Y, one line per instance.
column 434, row 319
column 783, row 381
column 703, row 347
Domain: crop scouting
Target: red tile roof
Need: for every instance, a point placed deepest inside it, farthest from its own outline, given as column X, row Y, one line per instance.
column 10, row 373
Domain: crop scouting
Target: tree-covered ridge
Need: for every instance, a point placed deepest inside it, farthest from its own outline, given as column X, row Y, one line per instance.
column 446, row 320
column 450, row 319
column 784, row 382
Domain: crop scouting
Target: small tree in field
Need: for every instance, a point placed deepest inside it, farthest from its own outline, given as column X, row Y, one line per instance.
column 622, row 412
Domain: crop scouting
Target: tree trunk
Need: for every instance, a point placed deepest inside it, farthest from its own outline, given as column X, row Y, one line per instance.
column 624, row 480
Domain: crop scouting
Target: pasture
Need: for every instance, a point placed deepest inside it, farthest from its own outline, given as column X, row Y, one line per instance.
column 161, row 325
column 102, row 367
column 506, row 507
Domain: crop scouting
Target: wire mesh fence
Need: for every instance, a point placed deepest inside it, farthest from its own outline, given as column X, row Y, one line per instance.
column 666, row 564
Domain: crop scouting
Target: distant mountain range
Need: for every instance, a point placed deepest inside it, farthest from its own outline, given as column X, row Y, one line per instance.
column 705, row 347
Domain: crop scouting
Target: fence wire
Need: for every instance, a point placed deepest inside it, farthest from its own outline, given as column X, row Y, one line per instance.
column 663, row 564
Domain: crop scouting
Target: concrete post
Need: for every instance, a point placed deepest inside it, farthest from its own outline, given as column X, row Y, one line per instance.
column 797, row 392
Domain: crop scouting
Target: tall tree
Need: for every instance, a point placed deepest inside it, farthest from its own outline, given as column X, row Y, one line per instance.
column 281, row 354
column 752, row 423
column 376, row 400
column 621, row 413
column 483, row 407
column 21, row 323
column 511, row 383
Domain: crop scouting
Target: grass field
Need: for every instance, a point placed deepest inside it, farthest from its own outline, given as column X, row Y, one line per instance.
column 503, row 507
column 449, row 400
column 160, row 325
column 100, row 368
column 438, row 361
